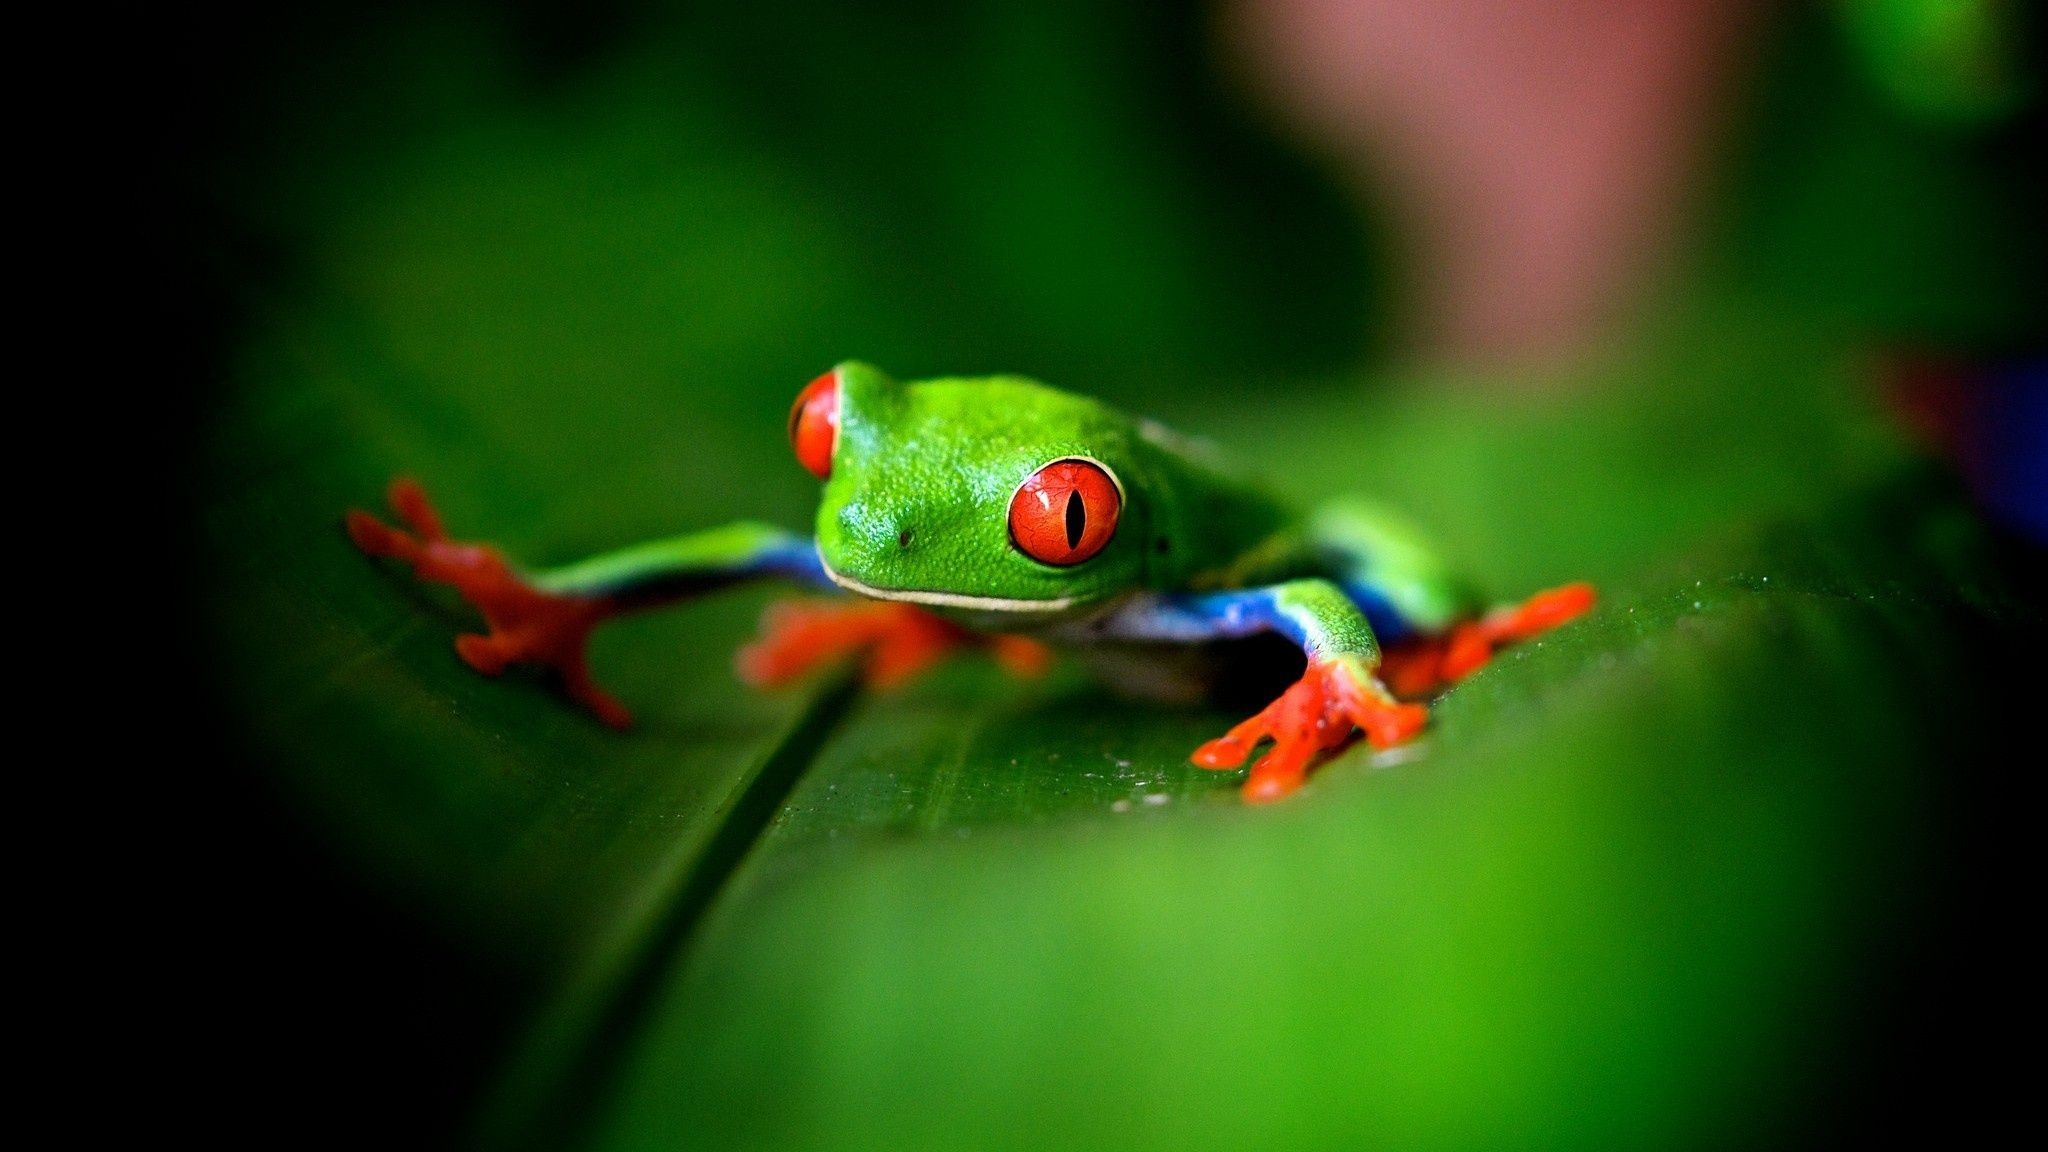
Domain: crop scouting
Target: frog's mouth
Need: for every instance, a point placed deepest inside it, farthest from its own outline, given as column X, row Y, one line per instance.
column 946, row 599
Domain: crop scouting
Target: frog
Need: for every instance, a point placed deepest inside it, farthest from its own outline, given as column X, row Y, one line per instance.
column 1002, row 514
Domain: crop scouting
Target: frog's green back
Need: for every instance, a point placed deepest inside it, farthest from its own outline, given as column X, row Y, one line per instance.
column 1217, row 525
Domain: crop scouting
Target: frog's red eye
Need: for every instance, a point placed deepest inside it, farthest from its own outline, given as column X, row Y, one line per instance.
column 814, row 424
column 1065, row 512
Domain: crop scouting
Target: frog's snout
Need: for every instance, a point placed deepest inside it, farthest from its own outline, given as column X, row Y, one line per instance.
column 879, row 533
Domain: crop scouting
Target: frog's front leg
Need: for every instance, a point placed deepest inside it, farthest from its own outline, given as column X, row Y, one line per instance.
column 546, row 618
column 1337, row 694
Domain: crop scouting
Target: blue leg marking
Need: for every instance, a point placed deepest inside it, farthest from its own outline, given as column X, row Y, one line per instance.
column 795, row 558
column 1314, row 614
column 1191, row 619
column 1386, row 620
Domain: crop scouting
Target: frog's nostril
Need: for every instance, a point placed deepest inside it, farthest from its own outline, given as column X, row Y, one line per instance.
column 903, row 538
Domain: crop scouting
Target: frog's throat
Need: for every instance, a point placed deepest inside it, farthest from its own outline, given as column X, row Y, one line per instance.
column 947, row 599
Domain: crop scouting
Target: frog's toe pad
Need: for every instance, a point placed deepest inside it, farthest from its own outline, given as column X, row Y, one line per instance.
column 485, row 654
column 376, row 538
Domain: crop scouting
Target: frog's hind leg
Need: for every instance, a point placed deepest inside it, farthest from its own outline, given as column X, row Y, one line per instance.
column 1426, row 663
column 1386, row 568
column 1435, row 628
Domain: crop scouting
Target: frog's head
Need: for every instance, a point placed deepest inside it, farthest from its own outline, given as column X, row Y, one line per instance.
column 995, row 498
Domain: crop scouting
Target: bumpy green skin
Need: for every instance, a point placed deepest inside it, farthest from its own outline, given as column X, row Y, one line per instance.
column 1328, row 622
column 940, row 459
column 916, row 509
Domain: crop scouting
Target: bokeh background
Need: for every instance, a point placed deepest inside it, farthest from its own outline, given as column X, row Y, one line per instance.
column 1733, row 308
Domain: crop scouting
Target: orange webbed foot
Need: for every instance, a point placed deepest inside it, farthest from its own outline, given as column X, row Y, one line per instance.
column 1317, row 714
column 527, row 625
column 895, row 641
column 1420, row 667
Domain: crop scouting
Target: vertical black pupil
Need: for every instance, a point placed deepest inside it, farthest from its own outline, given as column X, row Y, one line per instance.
column 1077, row 519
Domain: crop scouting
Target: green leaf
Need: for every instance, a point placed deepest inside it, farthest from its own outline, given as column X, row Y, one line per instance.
column 1623, row 896
column 1633, row 889
column 494, row 806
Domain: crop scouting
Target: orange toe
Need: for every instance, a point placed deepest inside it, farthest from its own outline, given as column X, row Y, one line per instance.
column 527, row 625
column 1317, row 714
column 1548, row 609
column 1421, row 666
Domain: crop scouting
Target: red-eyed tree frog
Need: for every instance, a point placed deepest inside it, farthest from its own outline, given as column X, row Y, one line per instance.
column 999, row 512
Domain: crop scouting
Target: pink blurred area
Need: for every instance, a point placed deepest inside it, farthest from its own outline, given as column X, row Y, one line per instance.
column 1535, row 155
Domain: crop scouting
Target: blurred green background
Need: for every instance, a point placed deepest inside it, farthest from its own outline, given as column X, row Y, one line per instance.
column 1708, row 868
